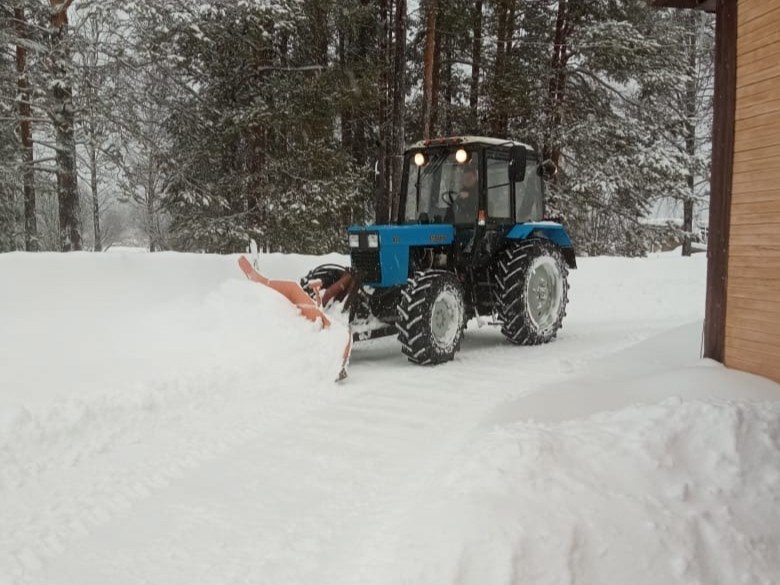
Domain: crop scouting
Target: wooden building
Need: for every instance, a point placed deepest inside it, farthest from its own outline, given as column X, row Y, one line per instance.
column 742, row 322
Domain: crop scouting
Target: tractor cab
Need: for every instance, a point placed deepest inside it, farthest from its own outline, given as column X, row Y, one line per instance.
column 469, row 182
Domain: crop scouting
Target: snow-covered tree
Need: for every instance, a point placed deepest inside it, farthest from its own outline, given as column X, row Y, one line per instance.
column 9, row 167
column 99, row 44
column 19, row 37
column 254, row 149
column 224, row 120
column 679, row 97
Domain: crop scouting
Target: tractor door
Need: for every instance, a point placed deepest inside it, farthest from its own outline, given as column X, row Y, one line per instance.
column 529, row 195
column 499, row 192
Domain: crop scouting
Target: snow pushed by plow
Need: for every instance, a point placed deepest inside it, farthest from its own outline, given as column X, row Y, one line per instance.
column 164, row 420
column 103, row 355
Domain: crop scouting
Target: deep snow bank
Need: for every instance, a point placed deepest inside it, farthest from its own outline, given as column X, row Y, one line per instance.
column 678, row 489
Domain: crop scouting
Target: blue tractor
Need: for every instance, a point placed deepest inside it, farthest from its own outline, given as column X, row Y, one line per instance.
column 468, row 240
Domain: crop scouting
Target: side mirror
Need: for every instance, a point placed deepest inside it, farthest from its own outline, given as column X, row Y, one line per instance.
column 517, row 160
column 547, row 169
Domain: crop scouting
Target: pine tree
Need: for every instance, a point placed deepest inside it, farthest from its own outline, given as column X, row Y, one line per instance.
column 602, row 121
column 62, row 111
column 253, row 157
column 679, row 98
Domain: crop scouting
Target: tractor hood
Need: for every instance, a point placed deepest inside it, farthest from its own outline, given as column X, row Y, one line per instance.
column 380, row 253
column 409, row 235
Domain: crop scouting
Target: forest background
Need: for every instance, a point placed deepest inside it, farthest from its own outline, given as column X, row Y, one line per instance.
column 196, row 125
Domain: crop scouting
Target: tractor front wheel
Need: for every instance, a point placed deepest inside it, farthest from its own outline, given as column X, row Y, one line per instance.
column 531, row 291
column 431, row 317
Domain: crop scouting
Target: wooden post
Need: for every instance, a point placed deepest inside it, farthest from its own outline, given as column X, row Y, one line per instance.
column 722, row 171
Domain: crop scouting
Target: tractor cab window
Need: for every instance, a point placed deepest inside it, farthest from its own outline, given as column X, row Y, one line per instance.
column 498, row 187
column 442, row 190
column 529, row 195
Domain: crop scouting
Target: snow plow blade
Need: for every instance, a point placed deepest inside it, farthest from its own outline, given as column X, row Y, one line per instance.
column 293, row 292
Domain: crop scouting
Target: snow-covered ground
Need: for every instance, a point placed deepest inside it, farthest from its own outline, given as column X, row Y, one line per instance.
column 164, row 421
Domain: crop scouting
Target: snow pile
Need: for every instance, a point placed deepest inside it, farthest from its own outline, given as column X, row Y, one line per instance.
column 677, row 491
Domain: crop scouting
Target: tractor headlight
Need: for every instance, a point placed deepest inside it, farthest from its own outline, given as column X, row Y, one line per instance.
column 461, row 155
column 354, row 240
column 373, row 240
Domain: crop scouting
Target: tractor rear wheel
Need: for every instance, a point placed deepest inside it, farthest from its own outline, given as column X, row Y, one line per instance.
column 431, row 317
column 531, row 291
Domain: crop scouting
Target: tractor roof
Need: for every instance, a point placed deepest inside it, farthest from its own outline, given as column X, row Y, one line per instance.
column 459, row 140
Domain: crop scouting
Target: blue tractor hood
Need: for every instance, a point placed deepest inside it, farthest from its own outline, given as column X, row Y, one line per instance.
column 387, row 264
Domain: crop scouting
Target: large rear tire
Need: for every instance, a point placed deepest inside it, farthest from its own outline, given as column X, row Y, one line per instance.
column 531, row 291
column 431, row 317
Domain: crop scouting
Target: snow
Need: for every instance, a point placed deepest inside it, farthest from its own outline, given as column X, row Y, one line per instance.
column 163, row 420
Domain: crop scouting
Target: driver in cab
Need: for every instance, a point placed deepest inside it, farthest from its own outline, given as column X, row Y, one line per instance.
column 465, row 208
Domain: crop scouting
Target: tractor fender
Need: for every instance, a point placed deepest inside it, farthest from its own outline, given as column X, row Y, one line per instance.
column 550, row 230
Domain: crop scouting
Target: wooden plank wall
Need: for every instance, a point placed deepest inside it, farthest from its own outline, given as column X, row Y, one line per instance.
column 753, row 301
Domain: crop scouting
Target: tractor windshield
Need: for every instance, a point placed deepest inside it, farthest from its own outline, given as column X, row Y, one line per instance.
column 442, row 190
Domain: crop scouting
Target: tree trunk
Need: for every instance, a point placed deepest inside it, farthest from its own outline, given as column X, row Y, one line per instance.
column 555, row 98
column 320, row 125
column 382, row 199
column 154, row 245
column 476, row 61
column 399, row 104
column 360, row 64
column 430, row 46
column 499, row 116
column 320, row 32
column 25, row 131
column 436, row 83
column 151, row 205
column 93, row 176
column 345, row 109
column 690, row 134
column 446, row 70
column 64, row 121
